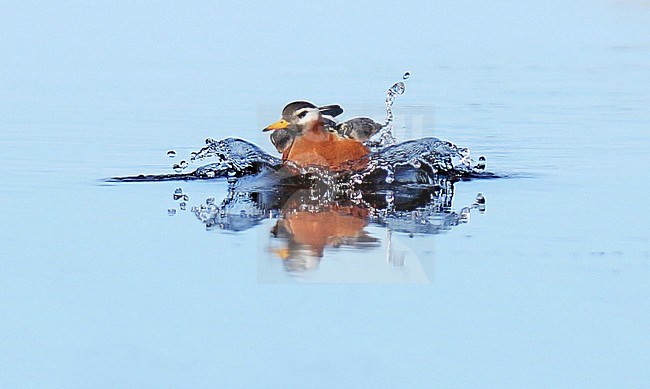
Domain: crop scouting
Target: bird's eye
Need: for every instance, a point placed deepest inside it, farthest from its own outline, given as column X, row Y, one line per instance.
column 302, row 114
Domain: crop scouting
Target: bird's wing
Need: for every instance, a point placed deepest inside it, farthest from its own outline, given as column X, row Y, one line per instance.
column 360, row 128
column 331, row 110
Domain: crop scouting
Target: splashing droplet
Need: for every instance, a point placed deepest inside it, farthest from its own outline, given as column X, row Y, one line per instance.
column 464, row 215
column 480, row 165
column 171, row 212
column 480, row 203
column 183, row 205
column 384, row 137
column 177, row 168
column 232, row 176
column 406, row 76
column 480, row 199
column 171, row 153
column 398, row 88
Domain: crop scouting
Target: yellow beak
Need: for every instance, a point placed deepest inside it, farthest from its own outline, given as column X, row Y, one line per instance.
column 280, row 124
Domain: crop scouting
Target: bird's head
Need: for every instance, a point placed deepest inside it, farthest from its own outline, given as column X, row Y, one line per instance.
column 298, row 116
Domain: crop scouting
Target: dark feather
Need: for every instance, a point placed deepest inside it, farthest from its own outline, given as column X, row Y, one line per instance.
column 360, row 129
column 332, row 110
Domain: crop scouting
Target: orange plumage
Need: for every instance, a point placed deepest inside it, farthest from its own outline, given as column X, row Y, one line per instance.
column 308, row 142
column 324, row 148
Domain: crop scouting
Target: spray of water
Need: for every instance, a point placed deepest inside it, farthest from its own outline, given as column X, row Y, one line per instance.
column 414, row 161
column 384, row 137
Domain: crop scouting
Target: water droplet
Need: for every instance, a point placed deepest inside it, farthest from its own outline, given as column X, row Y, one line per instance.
column 406, row 75
column 178, row 193
column 171, row 153
column 232, row 176
column 397, row 89
column 209, row 201
column 390, row 178
column 177, row 168
column 209, row 141
column 464, row 215
column 183, row 205
column 480, row 199
column 480, row 165
column 171, row 212
column 186, row 198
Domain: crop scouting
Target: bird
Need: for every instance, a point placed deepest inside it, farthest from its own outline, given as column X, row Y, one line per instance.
column 313, row 144
column 309, row 135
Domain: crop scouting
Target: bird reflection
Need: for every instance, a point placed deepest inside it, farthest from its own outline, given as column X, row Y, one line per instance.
column 305, row 233
column 311, row 219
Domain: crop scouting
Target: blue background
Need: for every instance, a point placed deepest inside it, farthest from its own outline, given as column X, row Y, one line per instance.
column 100, row 288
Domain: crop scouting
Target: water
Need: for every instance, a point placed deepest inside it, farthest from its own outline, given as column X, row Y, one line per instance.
column 548, row 287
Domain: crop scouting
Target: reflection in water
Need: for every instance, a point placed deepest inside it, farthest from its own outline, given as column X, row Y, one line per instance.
column 405, row 188
column 311, row 217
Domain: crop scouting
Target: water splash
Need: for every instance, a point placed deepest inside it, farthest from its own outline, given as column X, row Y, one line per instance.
column 418, row 161
column 179, row 167
column 230, row 158
column 423, row 210
column 414, row 162
column 405, row 187
column 384, row 137
column 342, row 210
column 397, row 89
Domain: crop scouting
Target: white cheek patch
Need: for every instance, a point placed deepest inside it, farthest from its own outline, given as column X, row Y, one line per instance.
column 311, row 116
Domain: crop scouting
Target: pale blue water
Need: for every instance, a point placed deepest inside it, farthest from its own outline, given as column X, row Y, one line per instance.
column 99, row 287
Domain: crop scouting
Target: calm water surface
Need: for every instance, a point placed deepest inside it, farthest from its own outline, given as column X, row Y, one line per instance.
column 100, row 287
